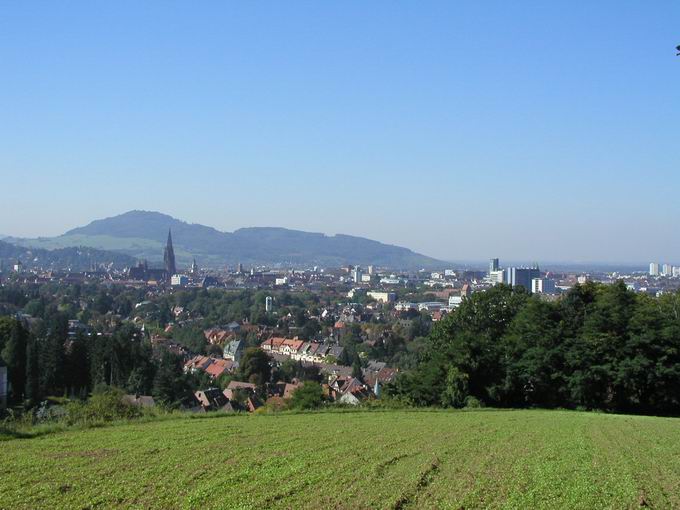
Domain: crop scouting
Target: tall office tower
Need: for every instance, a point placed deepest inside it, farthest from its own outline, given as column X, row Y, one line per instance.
column 521, row 276
column 654, row 269
column 493, row 266
column 667, row 270
column 169, row 257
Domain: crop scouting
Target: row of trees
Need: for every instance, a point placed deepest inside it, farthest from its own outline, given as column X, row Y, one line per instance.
column 598, row 347
column 47, row 361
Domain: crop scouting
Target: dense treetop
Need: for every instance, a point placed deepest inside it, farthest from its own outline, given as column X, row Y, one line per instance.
column 599, row 347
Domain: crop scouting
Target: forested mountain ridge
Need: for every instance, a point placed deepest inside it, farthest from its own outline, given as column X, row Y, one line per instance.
column 142, row 234
column 74, row 258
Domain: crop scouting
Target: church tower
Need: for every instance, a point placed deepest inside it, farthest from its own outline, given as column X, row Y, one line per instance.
column 169, row 257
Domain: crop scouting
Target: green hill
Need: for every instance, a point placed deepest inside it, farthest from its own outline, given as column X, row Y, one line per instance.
column 392, row 459
column 142, row 234
column 75, row 258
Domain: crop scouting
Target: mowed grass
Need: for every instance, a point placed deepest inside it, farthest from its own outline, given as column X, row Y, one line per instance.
column 390, row 459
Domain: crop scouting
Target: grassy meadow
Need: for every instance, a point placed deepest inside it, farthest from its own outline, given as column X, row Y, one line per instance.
column 377, row 459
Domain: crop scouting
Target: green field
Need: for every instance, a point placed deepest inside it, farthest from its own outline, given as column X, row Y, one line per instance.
column 391, row 459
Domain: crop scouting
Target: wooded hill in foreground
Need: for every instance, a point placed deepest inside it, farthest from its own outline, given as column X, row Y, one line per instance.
column 598, row 347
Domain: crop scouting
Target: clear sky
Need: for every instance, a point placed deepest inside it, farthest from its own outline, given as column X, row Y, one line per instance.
column 536, row 130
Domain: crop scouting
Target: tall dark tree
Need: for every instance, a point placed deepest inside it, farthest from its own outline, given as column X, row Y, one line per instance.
column 255, row 366
column 14, row 356
column 53, row 357
column 169, row 385
column 32, row 390
column 77, row 377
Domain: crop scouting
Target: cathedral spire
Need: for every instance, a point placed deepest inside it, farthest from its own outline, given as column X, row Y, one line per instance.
column 169, row 257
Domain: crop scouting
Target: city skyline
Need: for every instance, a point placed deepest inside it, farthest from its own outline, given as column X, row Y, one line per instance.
column 542, row 133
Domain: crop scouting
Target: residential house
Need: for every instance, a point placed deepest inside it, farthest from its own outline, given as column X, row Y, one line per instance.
column 219, row 367
column 212, row 399
column 253, row 403
column 380, row 372
column 348, row 390
column 234, row 350
column 289, row 389
column 235, row 386
column 215, row 367
column 355, row 396
column 197, row 363
column 273, row 344
column 290, row 347
column 217, row 336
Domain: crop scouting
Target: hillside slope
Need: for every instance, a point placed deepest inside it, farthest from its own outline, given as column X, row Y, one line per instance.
column 143, row 234
column 395, row 459
column 74, row 258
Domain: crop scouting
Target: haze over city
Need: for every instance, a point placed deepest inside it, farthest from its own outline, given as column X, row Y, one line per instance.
column 544, row 132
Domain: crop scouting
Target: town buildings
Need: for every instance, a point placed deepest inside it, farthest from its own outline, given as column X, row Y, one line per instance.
column 521, row 276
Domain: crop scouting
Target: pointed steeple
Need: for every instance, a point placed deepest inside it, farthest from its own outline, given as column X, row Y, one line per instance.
column 169, row 257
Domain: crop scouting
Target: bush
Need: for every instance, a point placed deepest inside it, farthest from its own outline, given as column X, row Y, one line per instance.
column 308, row 396
column 473, row 403
column 105, row 406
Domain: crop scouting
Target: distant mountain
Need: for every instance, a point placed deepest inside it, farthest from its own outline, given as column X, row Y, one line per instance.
column 74, row 258
column 142, row 234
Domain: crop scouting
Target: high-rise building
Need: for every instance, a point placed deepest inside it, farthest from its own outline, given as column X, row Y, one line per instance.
column 543, row 286
column 521, row 276
column 676, row 271
column 654, row 269
column 493, row 266
column 169, row 257
column 667, row 270
column 268, row 304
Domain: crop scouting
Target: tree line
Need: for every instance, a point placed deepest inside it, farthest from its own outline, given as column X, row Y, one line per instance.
column 597, row 347
column 46, row 360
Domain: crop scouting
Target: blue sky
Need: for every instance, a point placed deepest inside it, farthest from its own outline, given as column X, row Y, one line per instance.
column 545, row 131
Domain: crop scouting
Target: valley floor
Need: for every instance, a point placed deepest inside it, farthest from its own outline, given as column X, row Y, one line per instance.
column 390, row 459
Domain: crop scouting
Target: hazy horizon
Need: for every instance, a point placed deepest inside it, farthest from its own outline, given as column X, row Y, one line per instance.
column 472, row 263
column 542, row 132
